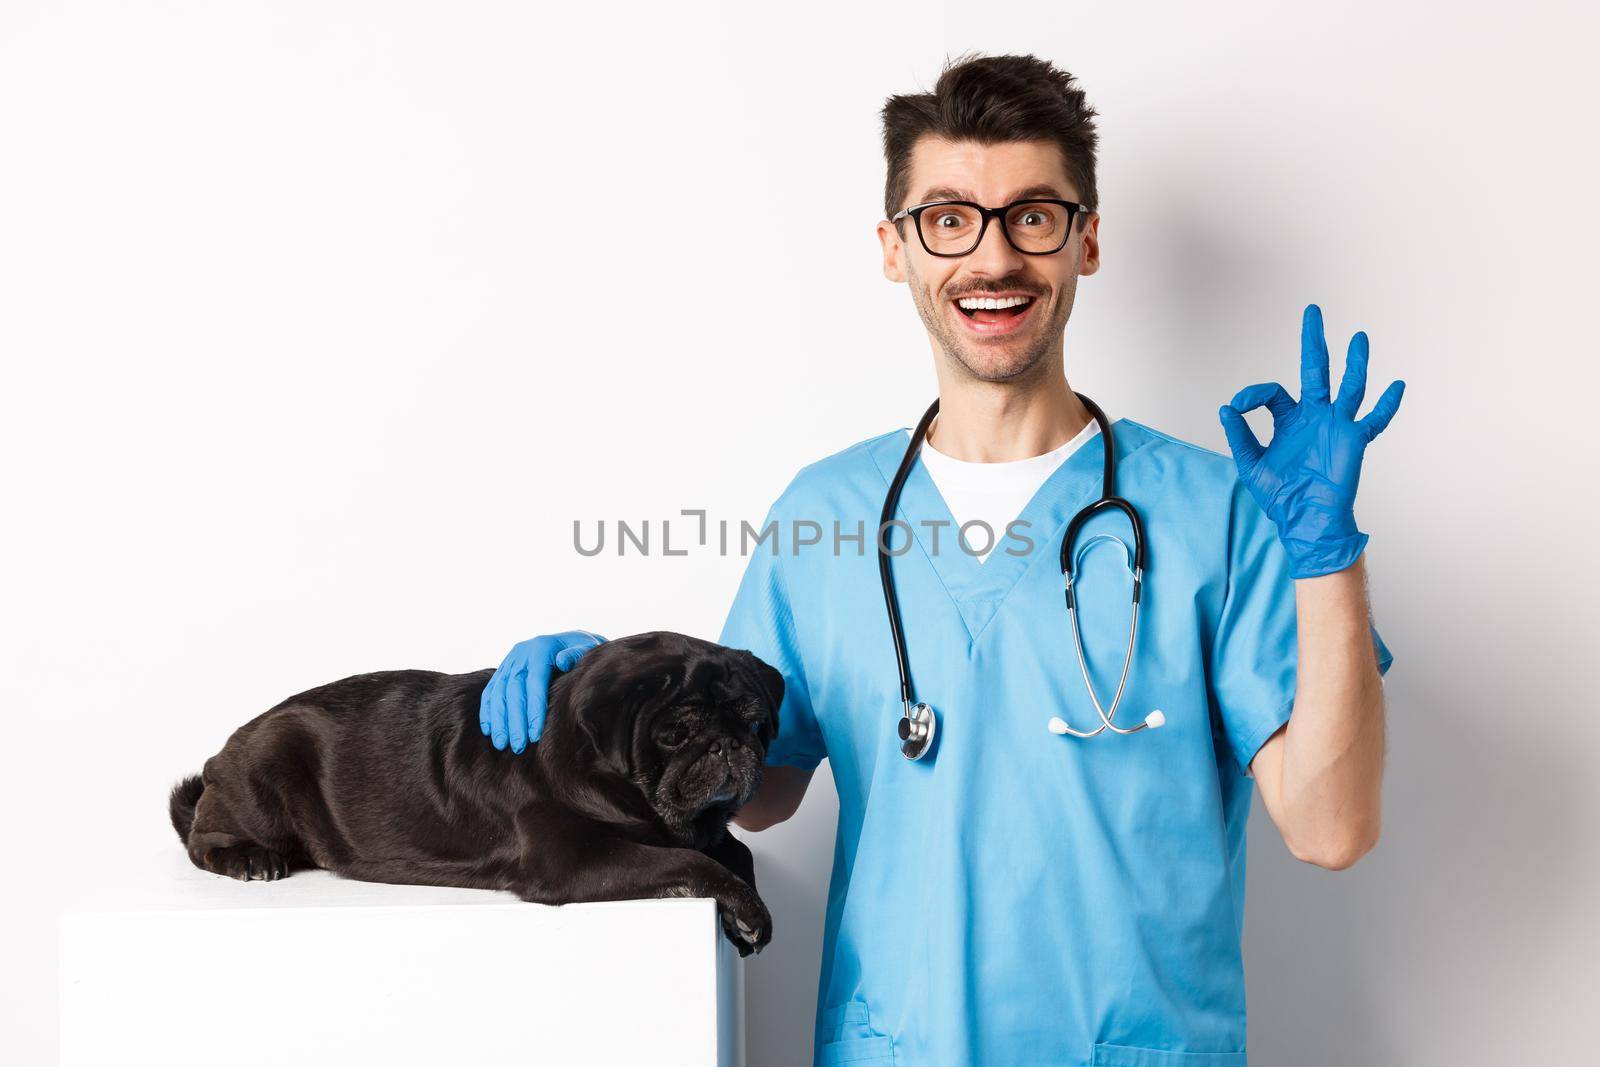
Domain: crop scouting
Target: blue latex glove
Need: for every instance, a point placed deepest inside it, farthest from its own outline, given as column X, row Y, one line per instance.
column 1305, row 480
column 512, row 708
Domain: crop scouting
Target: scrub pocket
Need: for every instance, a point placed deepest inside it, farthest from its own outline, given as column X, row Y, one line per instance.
column 1129, row 1056
column 848, row 1037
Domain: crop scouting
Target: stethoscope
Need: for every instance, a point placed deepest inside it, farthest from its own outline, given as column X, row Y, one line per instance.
column 918, row 724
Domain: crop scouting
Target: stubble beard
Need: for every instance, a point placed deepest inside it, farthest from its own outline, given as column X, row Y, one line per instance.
column 1001, row 362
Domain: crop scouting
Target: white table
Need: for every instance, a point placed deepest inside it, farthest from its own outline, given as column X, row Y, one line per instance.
column 169, row 965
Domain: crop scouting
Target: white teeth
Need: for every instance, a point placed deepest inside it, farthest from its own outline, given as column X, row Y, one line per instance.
column 974, row 303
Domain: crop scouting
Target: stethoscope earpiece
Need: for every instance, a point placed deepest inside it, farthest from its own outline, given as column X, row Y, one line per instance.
column 1058, row 725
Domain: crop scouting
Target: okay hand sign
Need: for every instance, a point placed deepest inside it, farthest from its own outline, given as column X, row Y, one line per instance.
column 1305, row 479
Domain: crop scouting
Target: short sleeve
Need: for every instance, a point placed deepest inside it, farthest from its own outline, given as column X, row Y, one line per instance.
column 1254, row 651
column 761, row 620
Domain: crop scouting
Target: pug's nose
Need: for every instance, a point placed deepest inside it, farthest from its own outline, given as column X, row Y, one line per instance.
column 732, row 742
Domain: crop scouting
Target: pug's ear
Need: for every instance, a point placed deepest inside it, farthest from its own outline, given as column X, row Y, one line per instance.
column 604, row 752
column 770, row 684
column 602, row 713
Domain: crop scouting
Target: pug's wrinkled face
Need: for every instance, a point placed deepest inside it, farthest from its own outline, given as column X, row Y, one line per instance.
column 709, row 742
column 688, row 721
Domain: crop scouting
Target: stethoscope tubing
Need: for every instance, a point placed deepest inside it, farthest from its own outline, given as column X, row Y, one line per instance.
column 918, row 721
column 890, row 504
column 1083, row 665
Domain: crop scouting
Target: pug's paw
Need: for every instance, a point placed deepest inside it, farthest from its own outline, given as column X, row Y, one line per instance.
column 247, row 862
column 745, row 920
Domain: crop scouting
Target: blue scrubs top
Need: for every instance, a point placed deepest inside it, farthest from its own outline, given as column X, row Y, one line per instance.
column 1019, row 897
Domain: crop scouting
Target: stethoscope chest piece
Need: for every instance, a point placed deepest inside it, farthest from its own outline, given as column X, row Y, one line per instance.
column 917, row 727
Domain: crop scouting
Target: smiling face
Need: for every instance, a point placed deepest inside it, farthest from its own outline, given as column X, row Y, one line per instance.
column 1007, row 344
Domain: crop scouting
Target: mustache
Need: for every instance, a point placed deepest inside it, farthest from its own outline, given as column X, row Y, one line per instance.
column 997, row 289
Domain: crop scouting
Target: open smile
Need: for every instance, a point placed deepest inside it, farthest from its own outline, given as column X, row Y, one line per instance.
column 994, row 316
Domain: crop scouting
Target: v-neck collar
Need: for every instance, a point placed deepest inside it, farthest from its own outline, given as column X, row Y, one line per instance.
column 979, row 587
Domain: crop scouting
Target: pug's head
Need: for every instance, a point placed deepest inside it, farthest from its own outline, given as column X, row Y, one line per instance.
column 685, row 722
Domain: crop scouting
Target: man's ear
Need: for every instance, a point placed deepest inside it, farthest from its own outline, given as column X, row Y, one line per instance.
column 894, row 251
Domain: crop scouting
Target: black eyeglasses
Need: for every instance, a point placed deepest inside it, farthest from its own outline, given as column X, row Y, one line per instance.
column 956, row 227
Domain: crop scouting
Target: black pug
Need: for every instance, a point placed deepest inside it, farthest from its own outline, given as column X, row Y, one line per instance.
column 650, row 744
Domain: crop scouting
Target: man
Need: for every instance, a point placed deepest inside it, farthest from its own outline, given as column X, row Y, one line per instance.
column 1020, row 897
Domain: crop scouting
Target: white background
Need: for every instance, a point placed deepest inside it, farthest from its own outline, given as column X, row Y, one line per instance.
column 322, row 322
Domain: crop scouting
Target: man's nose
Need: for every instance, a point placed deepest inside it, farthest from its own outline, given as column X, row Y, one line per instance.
column 994, row 254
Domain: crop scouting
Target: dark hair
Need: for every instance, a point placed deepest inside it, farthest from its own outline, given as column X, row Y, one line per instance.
column 991, row 100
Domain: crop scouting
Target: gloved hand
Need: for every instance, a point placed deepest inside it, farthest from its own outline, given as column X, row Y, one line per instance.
column 513, row 704
column 1305, row 480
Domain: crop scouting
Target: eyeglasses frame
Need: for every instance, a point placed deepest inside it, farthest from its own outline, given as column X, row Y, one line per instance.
column 987, row 213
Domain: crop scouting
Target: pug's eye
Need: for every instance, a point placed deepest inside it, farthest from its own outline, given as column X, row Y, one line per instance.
column 756, row 718
column 672, row 735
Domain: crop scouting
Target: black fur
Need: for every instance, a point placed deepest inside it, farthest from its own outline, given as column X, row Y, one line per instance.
column 185, row 795
column 650, row 744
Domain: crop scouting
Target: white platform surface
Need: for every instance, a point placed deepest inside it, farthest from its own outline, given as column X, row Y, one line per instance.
column 166, row 964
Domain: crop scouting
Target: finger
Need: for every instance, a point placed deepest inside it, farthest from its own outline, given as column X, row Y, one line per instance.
column 1274, row 397
column 494, row 695
column 1389, row 403
column 580, row 639
column 1313, row 357
column 575, row 647
column 517, row 711
column 486, row 700
column 1241, row 439
column 538, row 689
column 1353, row 386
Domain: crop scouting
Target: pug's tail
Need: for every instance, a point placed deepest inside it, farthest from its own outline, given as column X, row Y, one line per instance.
column 181, row 805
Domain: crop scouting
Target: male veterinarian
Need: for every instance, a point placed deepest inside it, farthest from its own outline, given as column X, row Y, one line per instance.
column 1021, row 895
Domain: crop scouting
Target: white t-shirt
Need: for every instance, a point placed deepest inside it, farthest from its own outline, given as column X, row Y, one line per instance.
column 995, row 493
